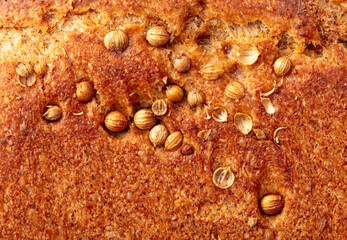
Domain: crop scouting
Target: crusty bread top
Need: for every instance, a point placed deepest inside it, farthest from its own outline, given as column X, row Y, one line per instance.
column 74, row 179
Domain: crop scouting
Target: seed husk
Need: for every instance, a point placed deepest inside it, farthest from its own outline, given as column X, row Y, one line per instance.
column 158, row 135
column 272, row 204
column 174, row 93
column 212, row 71
column 259, row 134
column 195, row 98
column 157, row 36
column 266, row 94
column 223, row 177
column 248, row 54
column 234, row 90
column 116, row 121
column 27, row 81
column 220, row 115
column 40, row 68
column 159, row 107
column 144, row 119
column 282, row 66
column 116, row 41
column 78, row 114
column 267, row 104
column 252, row 222
column 275, row 137
column 174, row 141
column 53, row 113
column 24, row 69
column 243, row 123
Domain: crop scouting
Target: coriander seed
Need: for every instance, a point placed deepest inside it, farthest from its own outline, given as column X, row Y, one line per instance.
column 116, row 41
column 243, row 123
column 247, row 54
column 157, row 36
column 212, row 71
column 220, row 114
column 181, row 64
column 195, row 98
column 282, row 66
column 174, row 93
column 234, row 90
column 174, row 141
column 158, row 134
column 85, row 91
column 267, row 104
column 144, row 119
column 271, row 204
column 24, row 69
column 116, row 121
column 40, row 68
column 53, row 113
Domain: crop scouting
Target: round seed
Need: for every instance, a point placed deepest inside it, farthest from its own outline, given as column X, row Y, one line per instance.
column 144, row 119
column 234, row 90
column 212, row 71
column 181, row 64
column 53, row 113
column 157, row 36
column 116, row 121
column 24, row 69
column 271, row 204
column 116, row 41
column 174, row 141
column 195, row 98
column 158, row 135
column 40, row 68
column 174, row 93
column 85, row 91
column 248, row 54
column 282, row 66
column 243, row 123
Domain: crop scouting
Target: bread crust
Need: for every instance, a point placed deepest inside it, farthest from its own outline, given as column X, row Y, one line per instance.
column 74, row 179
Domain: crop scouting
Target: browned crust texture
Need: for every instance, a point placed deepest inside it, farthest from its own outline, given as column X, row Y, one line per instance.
column 73, row 179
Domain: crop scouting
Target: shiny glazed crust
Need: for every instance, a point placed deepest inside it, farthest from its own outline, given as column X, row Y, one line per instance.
column 73, row 179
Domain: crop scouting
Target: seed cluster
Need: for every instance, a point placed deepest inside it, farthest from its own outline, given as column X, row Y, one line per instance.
column 247, row 54
column 25, row 74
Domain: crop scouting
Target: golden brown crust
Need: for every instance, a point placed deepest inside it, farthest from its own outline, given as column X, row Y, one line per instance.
column 74, row 179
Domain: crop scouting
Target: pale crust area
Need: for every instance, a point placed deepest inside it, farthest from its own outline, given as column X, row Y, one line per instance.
column 72, row 179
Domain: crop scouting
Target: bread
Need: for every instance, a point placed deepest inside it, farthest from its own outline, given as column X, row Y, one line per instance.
column 72, row 178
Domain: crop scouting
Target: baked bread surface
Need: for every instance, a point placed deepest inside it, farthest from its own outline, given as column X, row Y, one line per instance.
column 74, row 179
